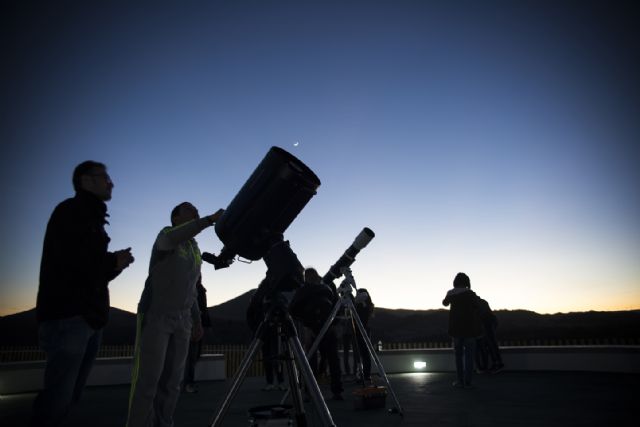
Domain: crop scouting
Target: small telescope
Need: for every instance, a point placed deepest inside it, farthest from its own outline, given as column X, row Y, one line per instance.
column 349, row 256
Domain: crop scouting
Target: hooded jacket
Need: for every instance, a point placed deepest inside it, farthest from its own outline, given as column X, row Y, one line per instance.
column 76, row 266
column 464, row 320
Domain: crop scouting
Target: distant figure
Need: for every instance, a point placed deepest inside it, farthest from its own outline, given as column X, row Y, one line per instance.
column 195, row 345
column 168, row 318
column 73, row 296
column 364, row 309
column 464, row 326
column 490, row 359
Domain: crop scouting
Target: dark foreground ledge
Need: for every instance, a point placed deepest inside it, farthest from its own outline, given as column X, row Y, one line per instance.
column 511, row 398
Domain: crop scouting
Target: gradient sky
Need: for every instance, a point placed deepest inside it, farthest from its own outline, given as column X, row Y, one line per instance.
column 500, row 139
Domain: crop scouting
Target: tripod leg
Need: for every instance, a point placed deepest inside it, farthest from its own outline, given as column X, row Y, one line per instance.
column 310, row 381
column 238, row 378
column 375, row 358
column 294, row 386
column 358, row 361
column 324, row 329
column 321, row 334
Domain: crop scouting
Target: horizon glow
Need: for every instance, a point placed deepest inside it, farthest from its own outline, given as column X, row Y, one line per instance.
column 493, row 139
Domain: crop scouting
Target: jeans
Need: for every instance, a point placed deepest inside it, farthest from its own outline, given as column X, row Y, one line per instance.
column 464, row 349
column 71, row 346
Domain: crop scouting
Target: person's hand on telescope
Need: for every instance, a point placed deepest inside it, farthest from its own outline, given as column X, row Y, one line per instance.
column 209, row 257
column 215, row 217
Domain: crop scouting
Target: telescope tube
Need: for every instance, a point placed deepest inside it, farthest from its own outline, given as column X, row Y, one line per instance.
column 349, row 256
column 265, row 206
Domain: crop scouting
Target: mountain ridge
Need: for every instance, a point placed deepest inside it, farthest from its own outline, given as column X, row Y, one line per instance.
column 387, row 325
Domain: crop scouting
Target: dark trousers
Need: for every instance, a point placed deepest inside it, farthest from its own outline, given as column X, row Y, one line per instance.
column 270, row 358
column 347, row 346
column 491, row 341
column 71, row 346
column 464, row 350
column 363, row 354
column 329, row 351
column 482, row 354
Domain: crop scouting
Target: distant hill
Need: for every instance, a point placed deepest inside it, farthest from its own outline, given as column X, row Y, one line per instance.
column 228, row 319
column 431, row 325
column 229, row 325
column 22, row 328
column 234, row 309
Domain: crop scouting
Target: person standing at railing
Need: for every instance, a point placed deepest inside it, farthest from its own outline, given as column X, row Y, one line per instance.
column 72, row 307
column 168, row 318
column 464, row 327
column 489, row 340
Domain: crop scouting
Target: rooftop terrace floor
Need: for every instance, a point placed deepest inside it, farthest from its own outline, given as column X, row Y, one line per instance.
column 428, row 399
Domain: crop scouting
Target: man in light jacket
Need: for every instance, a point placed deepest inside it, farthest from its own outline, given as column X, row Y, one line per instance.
column 168, row 318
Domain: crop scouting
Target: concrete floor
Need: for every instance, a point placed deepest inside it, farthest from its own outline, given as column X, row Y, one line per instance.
column 427, row 399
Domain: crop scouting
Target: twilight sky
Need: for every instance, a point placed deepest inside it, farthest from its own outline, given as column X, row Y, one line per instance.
column 497, row 138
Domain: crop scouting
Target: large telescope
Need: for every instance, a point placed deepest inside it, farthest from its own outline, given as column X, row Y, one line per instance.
column 349, row 256
column 265, row 206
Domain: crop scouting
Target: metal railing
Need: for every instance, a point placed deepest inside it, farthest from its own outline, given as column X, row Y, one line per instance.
column 234, row 353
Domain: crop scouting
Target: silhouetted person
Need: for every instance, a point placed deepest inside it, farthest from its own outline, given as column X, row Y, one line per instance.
column 270, row 359
column 259, row 304
column 195, row 345
column 489, row 342
column 464, row 326
column 313, row 304
column 73, row 296
column 364, row 310
column 168, row 318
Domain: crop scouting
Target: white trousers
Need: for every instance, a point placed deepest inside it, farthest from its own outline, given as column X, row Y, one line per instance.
column 162, row 343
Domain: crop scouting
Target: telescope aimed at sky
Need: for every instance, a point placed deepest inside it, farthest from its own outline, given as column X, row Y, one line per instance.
column 265, row 206
column 349, row 256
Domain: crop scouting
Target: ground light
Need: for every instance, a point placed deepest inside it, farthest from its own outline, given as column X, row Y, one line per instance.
column 419, row 364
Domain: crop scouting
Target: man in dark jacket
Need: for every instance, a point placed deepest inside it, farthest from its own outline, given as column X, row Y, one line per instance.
column 73, row 297
column 464, row 326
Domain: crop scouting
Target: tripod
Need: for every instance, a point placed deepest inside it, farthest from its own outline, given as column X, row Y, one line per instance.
column 278, row 316
column 345, row 300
